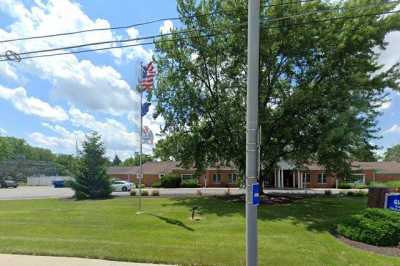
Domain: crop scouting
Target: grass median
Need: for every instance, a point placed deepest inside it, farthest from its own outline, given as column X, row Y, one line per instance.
column 291, row 234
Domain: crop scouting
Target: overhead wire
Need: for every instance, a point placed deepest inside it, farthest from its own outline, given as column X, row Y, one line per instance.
column 182, row 32
column 134, row 25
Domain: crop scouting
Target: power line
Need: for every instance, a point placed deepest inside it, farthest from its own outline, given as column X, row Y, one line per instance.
column 188, row 31
column 182, row 38
column 134, row 25
column 104, row 42
column 105, row 48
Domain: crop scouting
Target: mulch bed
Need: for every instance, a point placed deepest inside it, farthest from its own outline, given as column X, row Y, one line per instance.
column 388, row 251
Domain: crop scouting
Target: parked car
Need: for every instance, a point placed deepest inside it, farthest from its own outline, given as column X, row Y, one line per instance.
column 59, row 183
column 8, row 183
column 120, row 185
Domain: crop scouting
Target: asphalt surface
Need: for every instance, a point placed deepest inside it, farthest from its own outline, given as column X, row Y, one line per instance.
column 43, row 192
column 24, row 260
column 26, row 192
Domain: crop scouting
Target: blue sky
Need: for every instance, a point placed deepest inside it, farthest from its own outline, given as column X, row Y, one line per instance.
column 52, row 102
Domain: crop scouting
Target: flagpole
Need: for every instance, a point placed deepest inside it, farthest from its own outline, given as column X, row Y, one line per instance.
column 141, row 148
column 140, row 154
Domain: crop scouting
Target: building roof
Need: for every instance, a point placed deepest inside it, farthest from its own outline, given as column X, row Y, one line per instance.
column 379, row 167
column 156, row 168
column 382, row 167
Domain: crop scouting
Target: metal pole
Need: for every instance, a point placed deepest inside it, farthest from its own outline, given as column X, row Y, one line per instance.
column 140, row 154
column 253, row 44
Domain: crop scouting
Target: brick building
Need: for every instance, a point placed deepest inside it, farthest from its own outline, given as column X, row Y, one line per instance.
column 221, row 176
column 286, row 175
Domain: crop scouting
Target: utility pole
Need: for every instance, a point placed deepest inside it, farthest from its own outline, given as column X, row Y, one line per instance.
column 252, row 187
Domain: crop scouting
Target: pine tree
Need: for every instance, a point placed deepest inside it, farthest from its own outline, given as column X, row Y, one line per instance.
column 92, row 181
column 116, row 161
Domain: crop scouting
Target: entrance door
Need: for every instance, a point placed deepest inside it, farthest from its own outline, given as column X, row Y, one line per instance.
column 288, row 178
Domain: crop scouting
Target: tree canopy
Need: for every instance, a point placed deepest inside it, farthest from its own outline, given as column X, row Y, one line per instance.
column 135, row 161
column 18, row 158
column 393, row 153
column 320, row 81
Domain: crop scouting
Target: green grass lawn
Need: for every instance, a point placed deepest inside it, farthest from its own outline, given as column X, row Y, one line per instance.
column 294, row 234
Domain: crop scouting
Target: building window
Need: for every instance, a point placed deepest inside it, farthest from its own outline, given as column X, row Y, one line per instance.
column 307, row 178
column 216, row 178
column 355, row 179
column 187, row 176
column 321, row 178
column 232, row 178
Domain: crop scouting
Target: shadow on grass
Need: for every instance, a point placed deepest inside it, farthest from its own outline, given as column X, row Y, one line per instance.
column 172, row 221
column 316, row 213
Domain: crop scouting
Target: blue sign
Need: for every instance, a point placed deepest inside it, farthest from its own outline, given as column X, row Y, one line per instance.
column 256, row 194
column 393, row 201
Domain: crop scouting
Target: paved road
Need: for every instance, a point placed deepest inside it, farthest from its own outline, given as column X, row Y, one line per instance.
column 21, row 193
column 24, row 260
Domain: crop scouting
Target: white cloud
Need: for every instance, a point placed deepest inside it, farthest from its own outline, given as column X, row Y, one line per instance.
column 82, row 83
column 7, row 71
column 391, row 54
column 166, row 27
column 116, row 135
column 31, row 105
column 385, row 105
column 394, row 129
column 64, row 141
column 3, row 132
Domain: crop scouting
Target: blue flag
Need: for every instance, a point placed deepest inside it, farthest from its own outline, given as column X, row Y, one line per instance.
column 145, row 108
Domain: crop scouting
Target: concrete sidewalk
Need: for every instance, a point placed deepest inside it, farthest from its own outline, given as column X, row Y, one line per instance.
column 25, row 260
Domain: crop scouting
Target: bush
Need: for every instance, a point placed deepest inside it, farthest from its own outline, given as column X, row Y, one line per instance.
column 199, row 192
column 190, row 183
column 145, row 193
column 141, row 185
column 133, row 192
column 328, row 192
column 389, row 184
column 171, row 181
column 156, row 184
column 378, row 227
column 155, row 193
column 343, row 185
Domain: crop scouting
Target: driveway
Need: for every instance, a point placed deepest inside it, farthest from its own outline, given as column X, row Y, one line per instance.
column 24, row 260
column 27, row 192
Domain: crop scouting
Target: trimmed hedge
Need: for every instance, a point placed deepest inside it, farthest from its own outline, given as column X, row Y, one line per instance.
column 171, row 181
column 190, row 183
column 373, row 226
column 156, row 184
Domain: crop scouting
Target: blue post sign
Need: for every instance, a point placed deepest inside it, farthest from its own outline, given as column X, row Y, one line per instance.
column 256, row 194
column 392, row 201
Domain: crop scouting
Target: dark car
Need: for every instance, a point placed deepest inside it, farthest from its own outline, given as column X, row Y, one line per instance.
column 8, row 183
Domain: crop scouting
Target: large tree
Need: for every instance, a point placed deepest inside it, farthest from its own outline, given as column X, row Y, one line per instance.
column 320, row 81
column 393, row 153
column 135, row 161
column 92, row 181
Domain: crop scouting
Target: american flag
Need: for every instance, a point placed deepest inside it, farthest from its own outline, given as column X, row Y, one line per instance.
column 148, row 77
